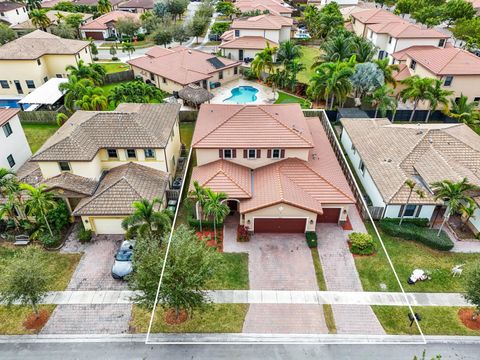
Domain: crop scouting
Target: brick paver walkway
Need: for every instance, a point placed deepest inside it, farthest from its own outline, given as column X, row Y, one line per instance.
column 89, row 319
column 341, row 275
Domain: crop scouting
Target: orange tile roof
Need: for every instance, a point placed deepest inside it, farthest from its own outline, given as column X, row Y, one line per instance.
column 403, row 73
column 248, row 42
column 375, row 16
column 224, row 176
column 443, row 61
column 180, row 64
column 7, row 114
column 405, row 29
column 273, row 6
column 228, row 35
column 258, row 126
column 101, row 22
column 263, row 22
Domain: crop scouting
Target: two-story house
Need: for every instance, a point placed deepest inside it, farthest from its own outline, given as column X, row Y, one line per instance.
column 13, row 13
column 104, row 27
column 248, row 36
column 276, row 166
column 459, row 70
column 384, row 155
column 173, row 69
column 271, row 6
column 101, row 162
column 14, row 148
column 362, row 19
column 29, row 61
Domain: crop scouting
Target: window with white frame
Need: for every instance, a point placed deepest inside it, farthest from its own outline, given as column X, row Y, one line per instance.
column 7, row 129
column 64, row 166
column 361, row 166
column 112, row 153
column 252, row 153
column 149, row 153
column 227, row 153
column 276, row 153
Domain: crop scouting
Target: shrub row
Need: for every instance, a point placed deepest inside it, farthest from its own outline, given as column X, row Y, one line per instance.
column 206, row 224
column 362, row 244
column 423, row 235
column 311, row 237
column 422, row 222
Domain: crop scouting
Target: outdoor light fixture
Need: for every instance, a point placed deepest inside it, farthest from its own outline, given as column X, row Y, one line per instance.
column 280, row 208
column 311, row 221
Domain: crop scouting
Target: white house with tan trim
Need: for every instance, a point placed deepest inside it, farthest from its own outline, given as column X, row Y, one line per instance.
column 276, row 166
column 14, row 148
column 264, row 6
column 13, row 13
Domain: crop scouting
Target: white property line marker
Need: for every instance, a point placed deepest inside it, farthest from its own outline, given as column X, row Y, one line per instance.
column 148, row 342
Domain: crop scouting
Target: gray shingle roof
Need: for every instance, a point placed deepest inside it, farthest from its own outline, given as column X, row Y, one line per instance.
column 120, row 187
column 129, row 126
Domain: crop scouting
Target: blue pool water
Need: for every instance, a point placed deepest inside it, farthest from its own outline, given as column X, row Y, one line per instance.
column 7, row 103
column 242, row 95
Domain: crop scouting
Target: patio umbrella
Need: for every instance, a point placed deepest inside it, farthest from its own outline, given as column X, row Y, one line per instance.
column 195, row 94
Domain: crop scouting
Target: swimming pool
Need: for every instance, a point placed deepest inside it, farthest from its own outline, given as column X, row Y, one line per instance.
column 242, row 95
column 10, row 103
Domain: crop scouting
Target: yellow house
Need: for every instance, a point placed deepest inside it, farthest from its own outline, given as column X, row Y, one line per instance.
column 101, row 162
column 29, row 61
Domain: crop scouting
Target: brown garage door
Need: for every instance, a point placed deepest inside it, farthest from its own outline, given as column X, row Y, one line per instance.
column 94, row 35
column 330, row 215
column 273, row 225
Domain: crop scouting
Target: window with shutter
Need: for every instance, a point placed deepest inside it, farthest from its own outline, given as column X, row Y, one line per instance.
column 234, row 153
column 282, row 153
column 220, row 153
column 259, row 153
column 269, row 153
column 245, row 153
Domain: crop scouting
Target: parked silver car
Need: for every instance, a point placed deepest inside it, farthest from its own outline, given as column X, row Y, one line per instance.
column 122, row 265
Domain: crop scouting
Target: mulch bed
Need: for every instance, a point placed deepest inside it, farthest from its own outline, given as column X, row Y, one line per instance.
column 34, row 323
column 461, row 231
column 209, row 237
column 172, row 319
column 465, row 316
column 347, row 225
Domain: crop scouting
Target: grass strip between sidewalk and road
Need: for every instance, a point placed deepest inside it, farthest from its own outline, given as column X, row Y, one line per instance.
column 215, row 318
column 322, row 286
column 13, row 317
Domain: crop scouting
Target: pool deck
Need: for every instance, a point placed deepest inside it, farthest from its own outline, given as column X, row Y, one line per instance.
column 264, row 96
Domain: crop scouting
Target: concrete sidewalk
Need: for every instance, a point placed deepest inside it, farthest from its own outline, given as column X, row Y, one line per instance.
column 272, row 297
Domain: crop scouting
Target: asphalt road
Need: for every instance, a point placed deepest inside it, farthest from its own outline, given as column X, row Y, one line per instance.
column 133, row 351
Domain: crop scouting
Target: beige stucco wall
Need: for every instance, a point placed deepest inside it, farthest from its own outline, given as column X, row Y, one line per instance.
column 89, row 169
column 113, row 223
column 173, row 148
column 205, row 156
column 233, row 53
column 157, row 163
column 359, row 28
column 281, row 210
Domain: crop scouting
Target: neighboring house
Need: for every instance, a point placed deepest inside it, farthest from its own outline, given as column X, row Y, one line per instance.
column 248, row 36
column 385, row 155
column 29, row 61
column 136, row 6
column 27, row 26
column 103, row 27
column 173, row 69
column 339, row 2
column 13, row 13
column 459, row 70
column 271, row 6
column 14, row 148
column 361, row 20
column 101, row 162
column 114, row 3
column 390, row 37
column 276, row 166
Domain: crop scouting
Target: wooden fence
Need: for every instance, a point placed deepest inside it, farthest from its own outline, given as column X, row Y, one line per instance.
column 40, row 117
column 115, row 77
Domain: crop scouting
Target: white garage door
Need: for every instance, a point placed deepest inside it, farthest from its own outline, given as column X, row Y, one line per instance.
column 108, row 226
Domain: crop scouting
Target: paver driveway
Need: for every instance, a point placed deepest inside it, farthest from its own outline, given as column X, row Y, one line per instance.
column 278, row 262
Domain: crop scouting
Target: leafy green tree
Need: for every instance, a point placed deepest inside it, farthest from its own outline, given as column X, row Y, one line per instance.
column 472, row 288
column 366, row 78
column 27, row 279
column 453, row 195
column 64, row 31
column 198, row 26
column 464, row 111
column 429, row 15
column 468, row 30
column 385, row 2
column 219, row 28
column 226, row 8
column 113, row 50
column 176, row 8
column 216, row 207
column 128, row 48
column 93, row 48
column 160, row 9
column 416, row 89
column 61, row 119
column 436, row 96
column 40, row 19
column 128, row 26
column 33, row 4
column 39, row 203
column 147, row 221
column 205, row 10
column 454, row 10
column 6, row 177
column 6, row 34
column 179, row 33
column 387, row 71
column 162, row 36
column 403, row 7
column 104, row 6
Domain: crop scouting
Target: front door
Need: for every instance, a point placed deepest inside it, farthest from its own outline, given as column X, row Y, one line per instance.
column 240, row 54
column 18, row 86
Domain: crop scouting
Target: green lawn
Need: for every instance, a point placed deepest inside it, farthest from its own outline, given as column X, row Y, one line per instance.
column 285, row 98
column 114, row 67
column 61, row 266
column 37, row 134
column 309, row 54
column 435, row 320
column 186, row 133
column 232, row 273
column 13, row 317
column 407, row 256
column 215, row 318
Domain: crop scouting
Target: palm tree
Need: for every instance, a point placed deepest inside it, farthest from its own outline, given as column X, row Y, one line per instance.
column 104, row 6
column 382, row 99
column 263, row 61
column 363, row 49
column 437, row 96
column 92, row 99
column 293, row 68
column 339, row 48
column 198, row 193
column 411, row 186
column 387, row 71
column 467, row 212
column 73, row 89
column 5, row 180
column 61, row 119
column 8, row 210
column 147, row 222
column 33, row 4
column 215, row 207
column 40, row 19
column 417, row 89
column 454, row 195
column 128, row 48
column 464, row 111
column 288, row 51
column 94, row 72
column 39, row 203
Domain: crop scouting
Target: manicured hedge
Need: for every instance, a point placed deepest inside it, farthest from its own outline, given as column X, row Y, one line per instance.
column 206, row 225
column 423, row 235
column 362, row 244
column 311, row 237
column 422, row 222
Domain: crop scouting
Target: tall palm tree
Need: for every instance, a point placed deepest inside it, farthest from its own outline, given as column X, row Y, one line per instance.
column 8, row 210
column 293, row 68
column 263, row 61
column 73, row 90
column 216, row 207
column 411, row 187
column 416, row 89
column 92, row 99
column 436, row 96
column 453, row 194
column 363, row 49
column 464, row 111
column 468, row 212
column 94, row 72
column 288, row 51
column 148, row 222
column 198, row 193
column 128, row 48
column 40, row 19
column 39, row 203
column 387, row 71
column 104, row 6
column 339, row 48
column 382, row 99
